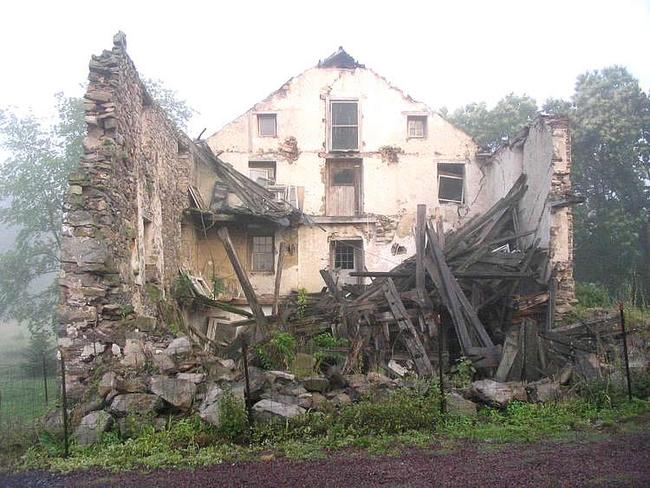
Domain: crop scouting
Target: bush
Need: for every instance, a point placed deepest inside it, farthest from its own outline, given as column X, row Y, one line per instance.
column 593, row 295
column 233, row 424
column 278, row 352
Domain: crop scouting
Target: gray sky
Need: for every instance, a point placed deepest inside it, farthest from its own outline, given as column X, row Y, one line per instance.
column 222, row 57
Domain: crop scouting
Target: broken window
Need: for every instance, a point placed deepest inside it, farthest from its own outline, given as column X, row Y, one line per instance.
column 344, row 256
column 417, row 126
column 267, row 125
column 344, row 125
column 451, row 185
column 262, row 256
column 262, row 172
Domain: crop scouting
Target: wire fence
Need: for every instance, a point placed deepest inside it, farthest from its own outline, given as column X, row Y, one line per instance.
column 25, row 397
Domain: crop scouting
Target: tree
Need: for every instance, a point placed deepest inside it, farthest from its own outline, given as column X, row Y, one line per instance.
column 490, row 128
column 177, row 109
column 610, row 117
column 33, row 180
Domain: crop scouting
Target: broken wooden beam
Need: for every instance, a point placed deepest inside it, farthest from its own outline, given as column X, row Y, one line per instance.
column 260, row 319
column 409, row 333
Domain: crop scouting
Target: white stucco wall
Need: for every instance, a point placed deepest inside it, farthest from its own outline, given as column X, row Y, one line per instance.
column 391, row 189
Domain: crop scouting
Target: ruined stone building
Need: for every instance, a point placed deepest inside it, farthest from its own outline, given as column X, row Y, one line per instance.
column 329, row 167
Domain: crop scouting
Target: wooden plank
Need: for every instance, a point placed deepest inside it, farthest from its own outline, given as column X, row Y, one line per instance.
column 260, row 319
column 278, row 277
column 409, row 333
column 420, row 242
column 380, row 274
column 510, row 351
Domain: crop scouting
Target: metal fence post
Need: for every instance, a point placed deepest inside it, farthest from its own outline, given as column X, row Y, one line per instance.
column 625, row 353
column 247, row 388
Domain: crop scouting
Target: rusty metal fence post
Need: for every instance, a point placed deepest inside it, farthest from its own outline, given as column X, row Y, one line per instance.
column 247, row 389
column 625, row 353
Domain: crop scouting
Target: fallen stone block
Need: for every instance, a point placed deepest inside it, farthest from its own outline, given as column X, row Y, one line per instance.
column 269, row 410
column 178, row 392
column 92, row 427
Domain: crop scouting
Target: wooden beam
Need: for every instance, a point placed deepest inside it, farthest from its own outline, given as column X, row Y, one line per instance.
column 260, row 319
column 420, row 242
column 409, row 333
column 278, row 277
column 380, row 274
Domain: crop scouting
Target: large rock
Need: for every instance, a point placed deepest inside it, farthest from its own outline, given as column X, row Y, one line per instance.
column 318, row 384
column 458, row 405
column 92, row 427
column 179, row 393
column 497, row 394
column 210, row 408
column 134, row 356
column 164, row 362
column 135, row 403
column 108, row 382
column 544, row 391
column 179, row 346
column 269, row 410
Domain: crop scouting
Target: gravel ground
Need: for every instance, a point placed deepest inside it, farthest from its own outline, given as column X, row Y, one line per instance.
column 621, row 460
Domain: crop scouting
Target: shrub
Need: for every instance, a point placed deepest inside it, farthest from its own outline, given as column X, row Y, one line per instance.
column 233, row 422
column 592, row 295
column 278, row 352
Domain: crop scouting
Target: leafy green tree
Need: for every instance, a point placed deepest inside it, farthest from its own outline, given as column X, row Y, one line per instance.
column 610, row 117
column 490, row 128
column 33, row 179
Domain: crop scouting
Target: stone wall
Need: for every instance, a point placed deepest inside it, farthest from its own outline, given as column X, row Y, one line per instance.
column 121, row 239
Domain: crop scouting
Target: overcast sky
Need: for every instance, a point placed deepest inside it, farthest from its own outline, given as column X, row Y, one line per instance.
column 222, row 57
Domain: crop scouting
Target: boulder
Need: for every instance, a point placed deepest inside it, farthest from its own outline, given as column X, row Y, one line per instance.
column 134, row 384
column 108, row 382
column 458, row 405
column 164, row 362
column 53, row 422
column 210, row 408
column 340, row 400
column 92, row 427
column 179, row 346
column 135, row 403
column 495, row 393
column 318, row 384
column 268, row 410
column 280, row 377
column 544, row 391
column 134, row 356
column 178, row 392
column 195, row 378
column 258, row 382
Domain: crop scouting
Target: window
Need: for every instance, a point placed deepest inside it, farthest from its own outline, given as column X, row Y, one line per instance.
column 262, row 257
column 344, row 195
column 267, row 125
column 451, row 187
column 344, row 126
column 343, row 256
column 262, row 172
column 417, row 126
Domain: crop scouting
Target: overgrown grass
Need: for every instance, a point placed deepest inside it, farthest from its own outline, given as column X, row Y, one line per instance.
column 406, row 418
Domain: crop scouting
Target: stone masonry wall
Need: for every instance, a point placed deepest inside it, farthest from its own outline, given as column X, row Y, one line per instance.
column 121, row 241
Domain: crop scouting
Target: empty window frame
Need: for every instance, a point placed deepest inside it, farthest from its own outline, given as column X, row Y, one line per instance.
column 262, row 172
column 416, row 126
column 267, row 125
column 451, row 183
column 262, row 253
column 344, row 254
column 344, row 125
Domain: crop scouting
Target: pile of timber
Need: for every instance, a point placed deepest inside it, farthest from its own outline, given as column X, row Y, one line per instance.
column 472, row 278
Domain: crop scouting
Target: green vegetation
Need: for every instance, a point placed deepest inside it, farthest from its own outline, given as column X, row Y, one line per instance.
column 407, row 417
column 278, row 352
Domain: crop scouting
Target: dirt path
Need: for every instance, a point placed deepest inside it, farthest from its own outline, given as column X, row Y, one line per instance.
column 619, row 460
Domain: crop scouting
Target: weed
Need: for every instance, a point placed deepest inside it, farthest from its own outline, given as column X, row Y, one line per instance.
column 278, row 352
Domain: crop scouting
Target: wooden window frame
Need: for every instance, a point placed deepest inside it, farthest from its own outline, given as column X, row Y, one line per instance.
column 252, row 253
column 452, row 176
column 330, row 124
column 259, row 117
column 417, row 117
column 264, row 165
